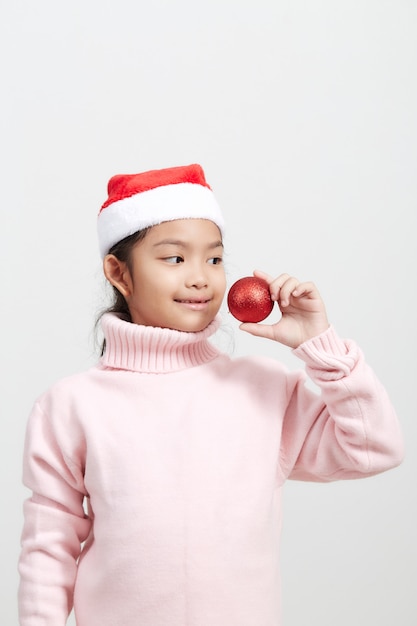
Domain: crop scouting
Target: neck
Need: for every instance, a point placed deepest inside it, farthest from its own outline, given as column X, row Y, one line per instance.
column 154, row 350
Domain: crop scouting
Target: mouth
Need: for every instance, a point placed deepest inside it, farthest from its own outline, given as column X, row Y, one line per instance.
column 192, row 301
column 194, row 304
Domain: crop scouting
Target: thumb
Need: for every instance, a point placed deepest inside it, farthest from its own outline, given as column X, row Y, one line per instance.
column 258, row 330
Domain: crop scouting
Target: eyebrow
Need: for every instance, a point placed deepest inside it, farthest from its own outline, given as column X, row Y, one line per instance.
column 183, row 244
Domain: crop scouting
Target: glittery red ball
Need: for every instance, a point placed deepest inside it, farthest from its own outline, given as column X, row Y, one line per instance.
column 249, row 299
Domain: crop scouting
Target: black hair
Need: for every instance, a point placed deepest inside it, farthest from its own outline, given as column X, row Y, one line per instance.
column 122, row 250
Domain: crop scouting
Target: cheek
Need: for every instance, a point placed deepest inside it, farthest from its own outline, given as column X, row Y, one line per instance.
column 158, row 288
column 221, row 283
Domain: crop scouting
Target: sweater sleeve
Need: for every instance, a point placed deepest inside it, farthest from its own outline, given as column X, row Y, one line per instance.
column 350, row 430
column 55, row 524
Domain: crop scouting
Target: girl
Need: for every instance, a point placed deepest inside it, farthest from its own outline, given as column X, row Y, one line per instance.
column 156, row 476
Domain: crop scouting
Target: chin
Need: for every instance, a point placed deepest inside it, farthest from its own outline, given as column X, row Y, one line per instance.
column 193, row 326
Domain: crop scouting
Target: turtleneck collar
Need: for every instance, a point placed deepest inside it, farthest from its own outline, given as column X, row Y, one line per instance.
column 154, row 350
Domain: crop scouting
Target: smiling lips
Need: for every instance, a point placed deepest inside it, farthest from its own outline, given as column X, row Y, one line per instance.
column 193, row 301
column 194, row 304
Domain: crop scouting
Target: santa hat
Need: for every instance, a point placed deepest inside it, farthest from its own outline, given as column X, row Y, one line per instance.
column 137, row 201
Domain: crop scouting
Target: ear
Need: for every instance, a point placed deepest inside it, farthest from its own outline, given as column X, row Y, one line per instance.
column 117, row 273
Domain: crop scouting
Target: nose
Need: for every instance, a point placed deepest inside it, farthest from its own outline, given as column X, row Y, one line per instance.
column 196, row 277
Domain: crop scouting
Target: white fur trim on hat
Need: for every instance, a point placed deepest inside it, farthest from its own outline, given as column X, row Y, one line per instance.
column 148, row 208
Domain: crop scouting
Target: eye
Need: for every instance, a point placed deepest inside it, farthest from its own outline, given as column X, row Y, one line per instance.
column 216, row 260
column 174, row 259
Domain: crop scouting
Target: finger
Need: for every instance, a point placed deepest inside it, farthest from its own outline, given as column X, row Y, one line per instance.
column 273, row 283
column 258, row 330
column 288, row 288
column 264, row 275
column 305, row 289
column 276, row 285
column 281, row 287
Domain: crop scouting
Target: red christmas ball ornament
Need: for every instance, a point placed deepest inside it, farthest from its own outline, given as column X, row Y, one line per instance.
column 249, row 299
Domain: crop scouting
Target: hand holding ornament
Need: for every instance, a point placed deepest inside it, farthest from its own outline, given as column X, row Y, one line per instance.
column 303, row 314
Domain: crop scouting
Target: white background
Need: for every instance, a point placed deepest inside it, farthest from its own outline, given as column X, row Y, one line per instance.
column 303, row 114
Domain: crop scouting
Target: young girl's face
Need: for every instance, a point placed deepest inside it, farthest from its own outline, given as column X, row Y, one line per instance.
column 177, row 278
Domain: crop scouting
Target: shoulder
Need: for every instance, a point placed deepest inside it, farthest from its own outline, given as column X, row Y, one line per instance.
column 67, row 389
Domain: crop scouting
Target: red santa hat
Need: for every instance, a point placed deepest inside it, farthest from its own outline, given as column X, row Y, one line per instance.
column 137, row 201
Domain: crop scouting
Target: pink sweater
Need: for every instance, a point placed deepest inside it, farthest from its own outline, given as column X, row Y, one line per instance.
column 180, row 454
